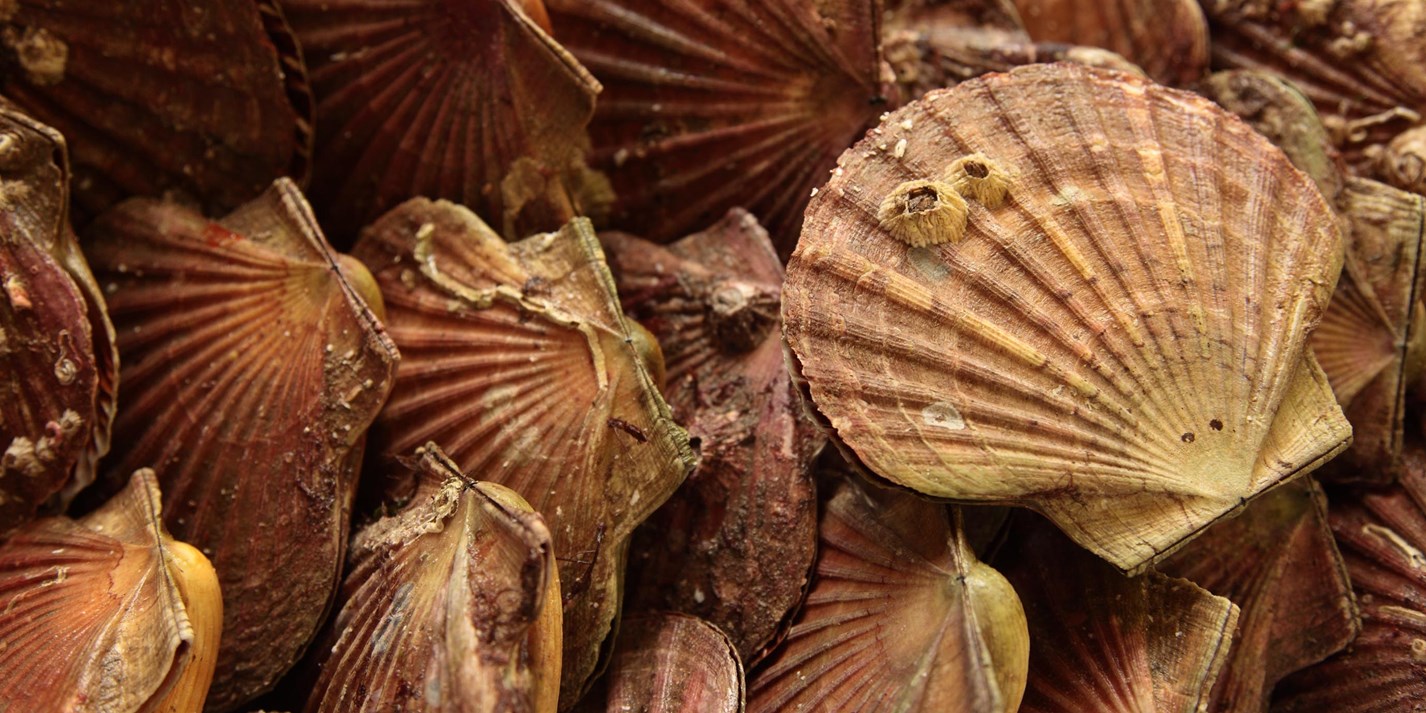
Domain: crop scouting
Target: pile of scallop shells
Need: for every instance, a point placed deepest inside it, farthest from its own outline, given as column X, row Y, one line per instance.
column 712, row 355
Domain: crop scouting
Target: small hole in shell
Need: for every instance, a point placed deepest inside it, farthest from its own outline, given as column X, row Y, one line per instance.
column 1188, row 437
column 921, row 200
column 976, row 169
column 1216, row 425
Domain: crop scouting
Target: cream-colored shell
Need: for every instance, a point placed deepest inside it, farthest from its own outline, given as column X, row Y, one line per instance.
column 1120, row 346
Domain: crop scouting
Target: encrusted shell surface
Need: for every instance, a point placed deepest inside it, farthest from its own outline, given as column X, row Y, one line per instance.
column 469, row 101
column 518, row 359
column 1107, row 643
column 1167, row 38
column 1121, row 345
column 735, row 544
column 670, row 663
column 154, row 95
column 712, row 104
column 91, row 615
column 58, row 366
column 901, row 616
column 253, row 366
column 1278, row 562
column 1382, row 535
column 445, row 606
column 1361, row 62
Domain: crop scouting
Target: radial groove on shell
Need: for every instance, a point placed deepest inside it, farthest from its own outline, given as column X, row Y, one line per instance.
column 446, row 606
column 518, row 359
column 1167, row 38
column 1121, row 345
column 1278, row 562
column 91, row 617
column 712, row 104
column 1382, row 535
column 1360, row 61
column 470, row 101
column 735, row 544
column 900, row 616
column 1107, row 643
column 58, row 366
column 253, row 368
column 154, row 95
column 1373, row 331
column 670, row 663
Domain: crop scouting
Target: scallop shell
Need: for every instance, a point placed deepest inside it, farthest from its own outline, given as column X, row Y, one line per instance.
column 92, row 614
column 154, row 95
column 735, row 544
column 1373, row 330
column 712, row 104
column 671, row 663
column 444, row 605
column 409, row 105
column 1278, row 562
column 58, row 366
column 518, row 359
column 253, row 368
column 1121, row 345
column 900, row 615
column 1167, row 38
column 1106, row 643
column 1360, row 61
column 1382, row 535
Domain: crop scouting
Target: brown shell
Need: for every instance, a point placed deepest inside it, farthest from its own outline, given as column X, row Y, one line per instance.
column 735, row 544
column 443, row 605
column 1167, row 38
column 91, row 618
column 1278, row 562
column 900, row 616
column 713, row 104
column 1107, row 643
column 1373, row 329
column 1121, row 345
column 1382, row 535
column 519, row 361
column 154, row 95
column 670, row 663
column 470, row 101
column 1360, row 61
column 252, row 368
column 58, row 367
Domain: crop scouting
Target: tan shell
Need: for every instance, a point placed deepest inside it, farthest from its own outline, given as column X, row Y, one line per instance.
column 1168, row 38
column 518, row 358
column 94, row 613
column 1106, row 643
column 444, row 606
column 670, row 663
column 901, row 616
column 1278, row 562
column 1121, row 345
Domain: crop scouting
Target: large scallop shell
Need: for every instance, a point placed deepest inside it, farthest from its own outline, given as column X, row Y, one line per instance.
column 252, row 369
column 901, row 616
column 1107, row 643
column 1383, row 536
column 1121, row 344
column 518, row 359
column 445, row 606
column 670, row 663
column 58, row 366
column 1167, row 38
column 154, row 95
column 735, row 544
column 94, row 613
column 712, row 104
column 1361, row 62
column 470, row 101
column 1278, row 562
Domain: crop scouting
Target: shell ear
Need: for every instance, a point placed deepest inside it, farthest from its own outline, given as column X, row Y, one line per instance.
column 921, row 213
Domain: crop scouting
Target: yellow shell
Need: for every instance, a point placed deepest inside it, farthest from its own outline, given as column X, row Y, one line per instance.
column 1122, row 346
